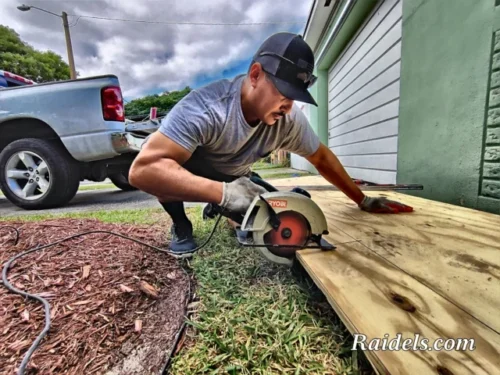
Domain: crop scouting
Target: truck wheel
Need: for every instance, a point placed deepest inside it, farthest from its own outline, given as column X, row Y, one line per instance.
column 37, row 174
column 120, row 180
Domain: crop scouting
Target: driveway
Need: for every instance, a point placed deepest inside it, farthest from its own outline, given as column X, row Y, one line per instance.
column 92, row 200
column 114, row 198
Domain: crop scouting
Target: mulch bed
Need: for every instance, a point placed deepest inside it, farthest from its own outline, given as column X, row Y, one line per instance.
column 116, row 306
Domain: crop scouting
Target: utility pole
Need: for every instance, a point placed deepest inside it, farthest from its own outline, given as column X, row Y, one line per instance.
column 69, row 47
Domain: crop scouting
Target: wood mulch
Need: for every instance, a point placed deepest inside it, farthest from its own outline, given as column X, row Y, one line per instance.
column 116, row 306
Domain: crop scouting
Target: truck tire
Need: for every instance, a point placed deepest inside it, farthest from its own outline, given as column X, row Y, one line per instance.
column 120, row 180
column 37, row 174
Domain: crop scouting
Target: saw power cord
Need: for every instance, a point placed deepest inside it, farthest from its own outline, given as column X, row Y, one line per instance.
column 46, row 305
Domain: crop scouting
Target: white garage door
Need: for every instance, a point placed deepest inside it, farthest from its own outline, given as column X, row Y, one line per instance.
column 363, row 96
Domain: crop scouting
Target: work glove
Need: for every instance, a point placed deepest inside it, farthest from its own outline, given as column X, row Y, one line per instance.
column 383, row 205
column 239, row 194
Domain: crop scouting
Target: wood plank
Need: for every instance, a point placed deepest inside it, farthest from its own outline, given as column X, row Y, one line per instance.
column 383, row 129
column 375, row 298
column 379, row 30
column 377, row 16
column 452, row 250
column 382, row 97
column 379, row 146
column 389, row 162
column 392, row 56
column 388, row 111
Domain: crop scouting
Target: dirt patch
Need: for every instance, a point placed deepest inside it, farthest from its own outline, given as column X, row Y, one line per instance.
column 115, row 305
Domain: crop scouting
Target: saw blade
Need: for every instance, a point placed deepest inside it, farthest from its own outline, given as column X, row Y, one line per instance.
column 293, row 231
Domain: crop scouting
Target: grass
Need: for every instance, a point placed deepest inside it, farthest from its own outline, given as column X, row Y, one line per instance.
column 96, row 187
column 253, row 317
column 261, row 165
column 286, row 175
column 256, row 317
column 144, row 216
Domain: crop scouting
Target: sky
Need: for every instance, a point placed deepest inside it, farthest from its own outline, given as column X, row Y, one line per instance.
column 150, row 58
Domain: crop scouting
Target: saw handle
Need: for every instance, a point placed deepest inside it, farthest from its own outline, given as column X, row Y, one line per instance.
column 259, row 181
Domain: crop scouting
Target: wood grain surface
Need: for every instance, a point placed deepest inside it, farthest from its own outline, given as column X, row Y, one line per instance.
column 435, row 272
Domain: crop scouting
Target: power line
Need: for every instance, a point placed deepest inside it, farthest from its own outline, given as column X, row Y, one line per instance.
column 189, row 23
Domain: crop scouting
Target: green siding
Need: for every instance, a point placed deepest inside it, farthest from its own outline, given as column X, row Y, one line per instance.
column 357, row 15
column 448, row 57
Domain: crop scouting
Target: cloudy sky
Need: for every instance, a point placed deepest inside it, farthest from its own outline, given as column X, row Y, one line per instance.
column 156, row 56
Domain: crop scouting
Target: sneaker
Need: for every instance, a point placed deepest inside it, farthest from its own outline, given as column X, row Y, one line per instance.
column 182, row 244
column 243, row 236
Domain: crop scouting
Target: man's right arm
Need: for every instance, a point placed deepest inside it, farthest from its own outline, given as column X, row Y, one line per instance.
column 157, row 170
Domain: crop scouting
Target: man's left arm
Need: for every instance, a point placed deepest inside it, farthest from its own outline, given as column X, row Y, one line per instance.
column 303, row 141
column 329, row 166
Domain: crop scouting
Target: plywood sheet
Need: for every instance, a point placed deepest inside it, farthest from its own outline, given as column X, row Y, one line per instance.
column 453, row 250
column 435, row 272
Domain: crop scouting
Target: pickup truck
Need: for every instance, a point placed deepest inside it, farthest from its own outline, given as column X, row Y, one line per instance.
column 55, row 135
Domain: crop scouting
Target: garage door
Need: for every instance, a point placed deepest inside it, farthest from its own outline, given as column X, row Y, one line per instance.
column 363, row 97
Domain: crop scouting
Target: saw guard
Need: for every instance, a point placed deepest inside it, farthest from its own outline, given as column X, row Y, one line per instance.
column 257, row 215
column 257, row 219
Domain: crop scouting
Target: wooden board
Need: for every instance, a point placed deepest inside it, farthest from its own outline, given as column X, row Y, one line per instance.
column 435, row 272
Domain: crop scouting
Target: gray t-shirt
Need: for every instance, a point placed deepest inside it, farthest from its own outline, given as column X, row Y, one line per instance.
column 211, row 117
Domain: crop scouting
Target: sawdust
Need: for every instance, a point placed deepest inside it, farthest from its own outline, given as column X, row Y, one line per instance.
column 116, row 305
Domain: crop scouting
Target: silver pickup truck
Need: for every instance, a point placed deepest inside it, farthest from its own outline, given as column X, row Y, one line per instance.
column 54, row 135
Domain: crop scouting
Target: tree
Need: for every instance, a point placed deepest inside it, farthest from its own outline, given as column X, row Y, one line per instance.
column 18, row 57
column 164, row 103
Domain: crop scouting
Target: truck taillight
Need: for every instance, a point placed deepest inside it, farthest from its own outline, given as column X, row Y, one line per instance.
column 112, row 104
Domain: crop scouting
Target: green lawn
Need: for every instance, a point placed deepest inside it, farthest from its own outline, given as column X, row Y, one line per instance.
column 261, row 165
column 253, row 317
column 285, row 175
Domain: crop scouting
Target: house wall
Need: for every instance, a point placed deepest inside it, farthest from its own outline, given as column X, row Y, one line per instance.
column 337, row 35
column 446, row 113
column 363, row 94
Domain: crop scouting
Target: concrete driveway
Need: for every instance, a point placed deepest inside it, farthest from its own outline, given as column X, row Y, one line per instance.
column 113, row 198
column 91, row 200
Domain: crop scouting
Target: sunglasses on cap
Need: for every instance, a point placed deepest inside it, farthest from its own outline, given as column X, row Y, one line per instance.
column 301, row 71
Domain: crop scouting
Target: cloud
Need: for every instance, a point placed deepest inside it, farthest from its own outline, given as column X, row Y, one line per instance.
column 149, row 57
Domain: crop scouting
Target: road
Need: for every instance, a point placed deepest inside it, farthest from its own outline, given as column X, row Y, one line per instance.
column 92, row 200
column 113, row 198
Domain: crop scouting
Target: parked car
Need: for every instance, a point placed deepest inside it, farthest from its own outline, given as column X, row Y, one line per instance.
column 54, row 135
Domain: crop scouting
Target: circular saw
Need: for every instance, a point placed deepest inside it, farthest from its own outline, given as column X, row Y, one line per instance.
column 280, row 223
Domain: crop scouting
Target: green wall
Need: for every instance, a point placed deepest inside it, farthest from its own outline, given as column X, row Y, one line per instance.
column 445, row 76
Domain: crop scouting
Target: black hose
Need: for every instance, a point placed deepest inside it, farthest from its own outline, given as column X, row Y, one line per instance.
column 46, row 305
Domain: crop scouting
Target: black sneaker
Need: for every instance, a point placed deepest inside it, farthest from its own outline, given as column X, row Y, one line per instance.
column 182, row 244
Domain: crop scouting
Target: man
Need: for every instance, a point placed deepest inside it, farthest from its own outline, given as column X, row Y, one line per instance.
column 205, row 147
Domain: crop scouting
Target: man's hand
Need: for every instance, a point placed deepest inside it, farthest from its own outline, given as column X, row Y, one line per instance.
column 383, row 205
column 239, row 194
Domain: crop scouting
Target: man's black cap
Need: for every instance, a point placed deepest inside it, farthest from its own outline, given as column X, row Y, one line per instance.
column 290, row 63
